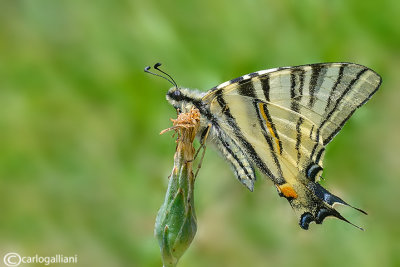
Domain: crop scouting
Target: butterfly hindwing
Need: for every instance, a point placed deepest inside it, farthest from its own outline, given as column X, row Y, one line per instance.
column 235, row 155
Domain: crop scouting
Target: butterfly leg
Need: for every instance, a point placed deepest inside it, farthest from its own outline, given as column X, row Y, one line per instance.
column 203, row 140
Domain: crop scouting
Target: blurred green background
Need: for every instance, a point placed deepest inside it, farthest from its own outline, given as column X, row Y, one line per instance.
column 83, row 169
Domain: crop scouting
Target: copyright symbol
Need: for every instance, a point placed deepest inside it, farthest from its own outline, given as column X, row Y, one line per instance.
column 12, row 259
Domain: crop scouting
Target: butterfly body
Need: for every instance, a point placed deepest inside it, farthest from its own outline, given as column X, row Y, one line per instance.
column 280, row 121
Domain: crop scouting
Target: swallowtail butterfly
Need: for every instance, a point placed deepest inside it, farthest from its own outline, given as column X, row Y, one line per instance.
column 280, row 121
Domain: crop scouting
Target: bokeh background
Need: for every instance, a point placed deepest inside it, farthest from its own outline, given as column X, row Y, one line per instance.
column 83, row 169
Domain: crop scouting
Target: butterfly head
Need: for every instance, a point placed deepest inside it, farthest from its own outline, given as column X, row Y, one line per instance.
column 175, row 95
column 183, row 99
column 176, row 98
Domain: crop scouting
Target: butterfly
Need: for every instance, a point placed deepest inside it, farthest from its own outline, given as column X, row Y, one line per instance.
column 280, row 121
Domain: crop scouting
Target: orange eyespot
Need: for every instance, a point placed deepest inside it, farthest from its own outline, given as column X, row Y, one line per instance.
column 287, row 190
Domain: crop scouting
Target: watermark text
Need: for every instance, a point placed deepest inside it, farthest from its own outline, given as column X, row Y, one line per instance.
column 14, row 259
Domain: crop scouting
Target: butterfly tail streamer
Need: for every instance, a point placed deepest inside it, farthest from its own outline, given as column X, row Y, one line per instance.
column 313, row 203
column 176, row 222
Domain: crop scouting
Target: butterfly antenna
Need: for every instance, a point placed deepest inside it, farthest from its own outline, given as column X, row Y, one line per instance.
column 147, row 69
column 157, row 65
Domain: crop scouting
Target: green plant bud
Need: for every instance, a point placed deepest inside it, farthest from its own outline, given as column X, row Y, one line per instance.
column 176, row 224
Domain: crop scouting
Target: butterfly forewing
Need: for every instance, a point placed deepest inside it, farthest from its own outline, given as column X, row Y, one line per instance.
column 325, row 94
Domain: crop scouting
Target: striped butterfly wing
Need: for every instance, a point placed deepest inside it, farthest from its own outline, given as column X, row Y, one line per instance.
column 287, row 116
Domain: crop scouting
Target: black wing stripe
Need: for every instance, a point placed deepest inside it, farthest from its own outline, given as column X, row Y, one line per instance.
column 298, row 139
column 274, row 131
column 246, row 88
column 333, row 89
column 315, row 74
column 295, row 101
column 266, row 136
column 294, row 104
column 301, row 78
column 311, row 131
column 265, row 86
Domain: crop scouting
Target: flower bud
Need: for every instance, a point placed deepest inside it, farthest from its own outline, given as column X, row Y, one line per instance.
column 176, row 224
